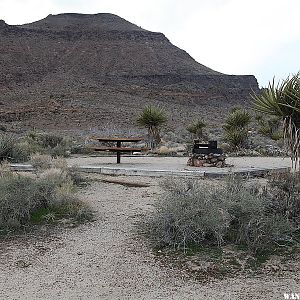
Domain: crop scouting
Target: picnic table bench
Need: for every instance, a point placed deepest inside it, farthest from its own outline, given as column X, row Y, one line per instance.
column 118, row 147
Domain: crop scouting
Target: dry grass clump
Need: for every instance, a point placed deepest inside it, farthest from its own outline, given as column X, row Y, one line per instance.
column 47, row 197
column 258, row 217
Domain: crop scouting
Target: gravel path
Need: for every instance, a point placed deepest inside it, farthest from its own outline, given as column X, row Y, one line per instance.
column 104, row 260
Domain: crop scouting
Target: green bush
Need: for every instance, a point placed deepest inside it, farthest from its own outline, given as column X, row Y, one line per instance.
column 45, row 143
column 285, row 195
column 196, row 128
column 233, row 212
column 48, row 197
column 269, row 127
column 11, row 149
column 187, row 214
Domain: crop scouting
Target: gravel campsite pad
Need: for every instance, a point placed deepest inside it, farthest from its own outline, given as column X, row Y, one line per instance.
column 105, row 259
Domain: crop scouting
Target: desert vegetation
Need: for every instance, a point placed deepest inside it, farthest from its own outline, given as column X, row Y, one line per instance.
column 11, row 149
column 152, row 117
column 19, row 149
column 236, row 128
column 269, row 127
column 196, row 129
column 283, row 101
column 256, row 216
column 47, row 196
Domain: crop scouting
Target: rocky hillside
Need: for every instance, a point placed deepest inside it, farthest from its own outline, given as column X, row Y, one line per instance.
column 75, row 71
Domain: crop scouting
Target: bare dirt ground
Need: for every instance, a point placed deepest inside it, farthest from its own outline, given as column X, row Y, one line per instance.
column 105, row 259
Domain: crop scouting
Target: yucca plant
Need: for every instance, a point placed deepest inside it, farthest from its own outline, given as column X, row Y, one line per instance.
column 238, row 119
column 196, row 128
column 236, row 127
column 283, row 100
column 153, row 117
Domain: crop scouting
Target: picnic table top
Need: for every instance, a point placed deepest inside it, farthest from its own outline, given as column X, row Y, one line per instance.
column 113, row 139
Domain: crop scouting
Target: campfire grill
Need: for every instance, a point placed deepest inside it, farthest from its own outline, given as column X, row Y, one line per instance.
column 211, row 147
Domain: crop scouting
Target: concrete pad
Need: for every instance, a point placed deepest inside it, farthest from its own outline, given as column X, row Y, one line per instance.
column 176, row 166
column 171, row 166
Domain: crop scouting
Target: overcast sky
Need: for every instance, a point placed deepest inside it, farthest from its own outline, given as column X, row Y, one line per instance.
column 259, row 37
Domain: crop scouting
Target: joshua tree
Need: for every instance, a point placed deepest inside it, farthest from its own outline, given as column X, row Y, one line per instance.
column 236, row 127
column 152, row 117
column 196, row 128
column 283, row 100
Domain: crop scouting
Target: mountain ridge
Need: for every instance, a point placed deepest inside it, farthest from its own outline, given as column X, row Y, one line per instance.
column 105, row 57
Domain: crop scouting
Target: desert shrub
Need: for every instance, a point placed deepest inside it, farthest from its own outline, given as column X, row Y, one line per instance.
column 76, row 176
column 41, row 161
column 196, row 129
column 81, row 148
column 48, row 197
column 16, row 201
column 188, row 213
column 45, row 143
column 233, row 212
column 44, row 162
column 11, row 149
column 285, row 195
column 269, row 127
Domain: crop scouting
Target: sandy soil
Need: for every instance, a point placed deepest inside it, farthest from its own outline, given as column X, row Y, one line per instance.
column 106, row 260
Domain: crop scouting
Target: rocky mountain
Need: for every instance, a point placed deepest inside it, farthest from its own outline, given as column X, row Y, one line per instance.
column 81, row 71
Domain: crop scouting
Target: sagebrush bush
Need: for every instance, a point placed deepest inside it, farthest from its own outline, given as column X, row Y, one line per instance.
column 41, row 161
column 47, row 143
column 24, row 199
column 11, row 149
column 188, row 213
column 16, row 206
column 232, row 212
column 269, row 127
column 285, row 194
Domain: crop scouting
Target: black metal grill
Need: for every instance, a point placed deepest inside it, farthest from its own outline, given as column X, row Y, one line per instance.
column 211, row 147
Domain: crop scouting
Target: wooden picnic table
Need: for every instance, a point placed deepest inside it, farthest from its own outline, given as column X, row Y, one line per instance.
column 118, row 148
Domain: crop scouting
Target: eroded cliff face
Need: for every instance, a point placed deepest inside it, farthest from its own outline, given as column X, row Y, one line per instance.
column 79, row 71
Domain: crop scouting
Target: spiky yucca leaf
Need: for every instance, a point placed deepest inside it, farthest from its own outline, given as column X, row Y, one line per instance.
column 238, row 119
column 283, row 100
column 152, row 116
column 280, row 100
